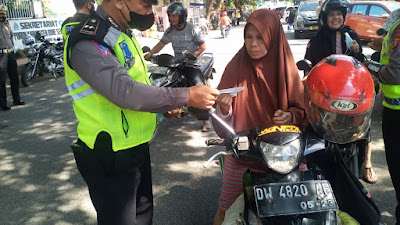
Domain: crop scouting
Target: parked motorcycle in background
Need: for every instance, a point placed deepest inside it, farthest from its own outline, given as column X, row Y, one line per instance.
column 166, row 72
column 43, row 57
column 224, row 31
column 203, row 25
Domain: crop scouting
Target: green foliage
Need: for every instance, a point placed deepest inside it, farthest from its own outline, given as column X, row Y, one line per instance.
column 98, row 2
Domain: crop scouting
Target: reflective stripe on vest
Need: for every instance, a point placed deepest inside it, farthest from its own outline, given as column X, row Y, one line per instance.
column 391, row 92
column 96, row 114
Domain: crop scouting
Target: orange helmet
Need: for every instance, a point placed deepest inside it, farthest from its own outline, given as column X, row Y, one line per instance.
column 340, row 97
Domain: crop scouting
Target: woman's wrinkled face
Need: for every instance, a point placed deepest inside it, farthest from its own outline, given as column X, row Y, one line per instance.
column 254, row 42
column 335, row 19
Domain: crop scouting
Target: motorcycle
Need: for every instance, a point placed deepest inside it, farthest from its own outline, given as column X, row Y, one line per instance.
column 308, row 179
column 296, row 189
column 224, row 31
column 43, row 57
column 291, row 191
column 165, row 71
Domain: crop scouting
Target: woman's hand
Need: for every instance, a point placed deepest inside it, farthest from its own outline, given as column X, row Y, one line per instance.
column 224, row 101
column 281, row 117
column 355, row 47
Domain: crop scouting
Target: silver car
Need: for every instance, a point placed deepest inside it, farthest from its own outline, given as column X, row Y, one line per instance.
column 306, row 19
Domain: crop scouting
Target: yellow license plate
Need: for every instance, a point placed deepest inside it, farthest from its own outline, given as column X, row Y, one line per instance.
column 314, row 28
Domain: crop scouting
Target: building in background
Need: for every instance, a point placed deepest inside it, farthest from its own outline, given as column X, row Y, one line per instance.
column 30, row 16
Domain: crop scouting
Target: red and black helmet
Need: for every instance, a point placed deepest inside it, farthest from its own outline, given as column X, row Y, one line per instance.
column 340, row 97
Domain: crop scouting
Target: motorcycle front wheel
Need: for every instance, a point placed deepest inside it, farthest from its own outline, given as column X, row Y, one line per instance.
column 29, row 75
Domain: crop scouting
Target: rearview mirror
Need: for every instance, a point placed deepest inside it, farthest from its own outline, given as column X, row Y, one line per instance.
column 145, row 49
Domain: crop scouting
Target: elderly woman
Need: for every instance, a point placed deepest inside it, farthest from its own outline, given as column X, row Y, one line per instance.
column 273, row 92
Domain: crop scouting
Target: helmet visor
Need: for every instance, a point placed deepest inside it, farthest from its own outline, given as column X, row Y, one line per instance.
column 337, row 127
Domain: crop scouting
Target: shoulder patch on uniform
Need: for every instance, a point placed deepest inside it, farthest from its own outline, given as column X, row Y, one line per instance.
column 309, row 44
column 103, row 49
column 90, row 27
column 129, row 59
column 396, row 39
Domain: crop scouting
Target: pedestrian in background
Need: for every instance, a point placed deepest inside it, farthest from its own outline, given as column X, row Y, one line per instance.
column 291, row 16
column 8, row 63
column 83, row 9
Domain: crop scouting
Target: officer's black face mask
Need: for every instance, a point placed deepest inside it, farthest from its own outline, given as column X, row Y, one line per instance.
column 140, row 22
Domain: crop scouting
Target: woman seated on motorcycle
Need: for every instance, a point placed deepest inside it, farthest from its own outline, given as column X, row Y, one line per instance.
column 273, row 93
column 331, row 39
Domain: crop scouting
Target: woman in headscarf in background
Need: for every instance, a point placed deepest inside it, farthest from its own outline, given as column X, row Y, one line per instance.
column 273, row 93
column 331, row 39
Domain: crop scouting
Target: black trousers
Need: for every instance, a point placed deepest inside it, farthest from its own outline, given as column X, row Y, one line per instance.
column 119, row 183
column 8, row 64
column 390, row 127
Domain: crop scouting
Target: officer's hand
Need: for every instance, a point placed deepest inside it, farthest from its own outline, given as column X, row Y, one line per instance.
column 202, row 97
column 281, row 117
column 355, row 47
column 224, row 101
column 147, row 56
column 172, row 113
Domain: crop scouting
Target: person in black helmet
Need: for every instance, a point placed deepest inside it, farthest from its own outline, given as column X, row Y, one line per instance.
column 185, row 38
column 330, row 39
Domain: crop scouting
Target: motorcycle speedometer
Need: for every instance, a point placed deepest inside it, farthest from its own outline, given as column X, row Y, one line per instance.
column 281, row 158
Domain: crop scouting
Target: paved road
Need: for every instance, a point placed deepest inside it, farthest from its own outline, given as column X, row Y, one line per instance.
column 40, row 184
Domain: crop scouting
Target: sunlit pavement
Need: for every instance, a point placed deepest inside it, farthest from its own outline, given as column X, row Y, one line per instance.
column 40, row 184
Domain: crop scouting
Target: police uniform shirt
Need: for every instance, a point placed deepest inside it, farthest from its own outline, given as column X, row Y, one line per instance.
column 6, row 36
column 390, row 73
column 103, row 72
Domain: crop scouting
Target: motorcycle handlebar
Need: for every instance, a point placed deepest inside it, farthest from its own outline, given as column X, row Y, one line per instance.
column 220, row 142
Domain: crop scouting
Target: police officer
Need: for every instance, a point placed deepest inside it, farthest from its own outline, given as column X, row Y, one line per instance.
column 106, row 76
column 8, row 63
column 83, row 9
column 388, row 73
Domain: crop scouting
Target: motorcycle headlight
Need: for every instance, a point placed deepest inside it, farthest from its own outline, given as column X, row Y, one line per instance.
column 281, row 158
